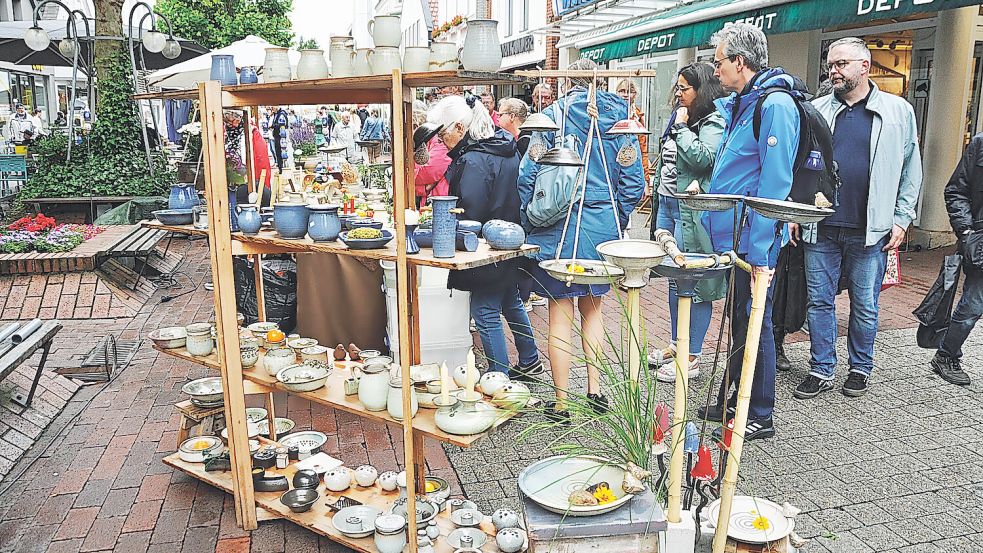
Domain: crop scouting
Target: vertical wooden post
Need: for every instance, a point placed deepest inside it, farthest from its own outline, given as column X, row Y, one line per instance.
column 247, row 140
column 759, row 294
column 260, row 291
column 402, row 179
column 679, row 411
column 220, row 248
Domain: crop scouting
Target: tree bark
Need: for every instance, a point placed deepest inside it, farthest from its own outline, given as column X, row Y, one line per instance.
column 109, row 17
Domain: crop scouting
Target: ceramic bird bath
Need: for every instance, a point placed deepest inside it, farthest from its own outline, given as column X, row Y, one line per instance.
column 709, row 202
column 789, row 212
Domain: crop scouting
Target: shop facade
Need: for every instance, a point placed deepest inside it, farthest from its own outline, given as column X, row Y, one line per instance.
column 904, row 37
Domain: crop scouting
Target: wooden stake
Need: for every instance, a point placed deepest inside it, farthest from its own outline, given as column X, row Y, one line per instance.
column 679, row 411
column 759, row 294
column 220, row 248
column 260, row 189
column 634, row 344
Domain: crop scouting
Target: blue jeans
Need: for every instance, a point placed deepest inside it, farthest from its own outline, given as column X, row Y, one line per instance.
column 668, row 218
column 487, row 308
column 840, row 251
column 965, row 315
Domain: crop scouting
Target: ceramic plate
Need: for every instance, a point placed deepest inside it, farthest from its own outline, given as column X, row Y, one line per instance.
column 743, row 513
column 550, row 482
column 357, row 521
column 256, row 414
column 283, row 425
column 595, row 272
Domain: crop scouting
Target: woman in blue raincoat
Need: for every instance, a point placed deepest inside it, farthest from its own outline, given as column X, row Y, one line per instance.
column 599, row 223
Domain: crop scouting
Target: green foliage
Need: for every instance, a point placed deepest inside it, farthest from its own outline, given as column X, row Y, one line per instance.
column 307, row 43
column 218, row 23
column 111, row 159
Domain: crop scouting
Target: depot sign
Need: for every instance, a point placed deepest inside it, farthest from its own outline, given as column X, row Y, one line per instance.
column 803, row 15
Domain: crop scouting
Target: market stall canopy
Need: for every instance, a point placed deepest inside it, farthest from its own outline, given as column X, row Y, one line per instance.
column 248, row 51
column 13, row 49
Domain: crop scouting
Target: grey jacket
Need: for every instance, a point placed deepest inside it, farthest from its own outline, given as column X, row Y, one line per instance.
column 895, row 163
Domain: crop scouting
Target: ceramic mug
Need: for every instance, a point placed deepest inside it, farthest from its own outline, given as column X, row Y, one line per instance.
column 362, row 62
column 385, row 30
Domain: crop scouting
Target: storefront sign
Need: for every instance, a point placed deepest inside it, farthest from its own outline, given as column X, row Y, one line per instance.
column 563, row 7
column 518, row 46
column 803, row 15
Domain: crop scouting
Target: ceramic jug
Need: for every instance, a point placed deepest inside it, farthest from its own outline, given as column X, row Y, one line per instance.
column 416, row 59
column 247, row 75
column 341, row 55
column 183, row 196
column 362, row 64
column 276, row 65
column 312, row 65
column 444, row 225
column 248, row 217
column 223, row 70
column 482, row 49
column 385, row 59
column 324, row 224
column 385, row 31
column 373, row 387
column 443, row 56
column 394, row 403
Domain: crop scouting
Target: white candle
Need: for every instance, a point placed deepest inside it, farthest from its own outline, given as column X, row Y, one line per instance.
column 412, row 217
column 472, row 371
column 444, row 388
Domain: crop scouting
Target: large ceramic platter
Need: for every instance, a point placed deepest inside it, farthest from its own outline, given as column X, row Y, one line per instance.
column 789, row 212
column 709, row 202
column 550, row 482
column 595, row 272
column 744, row 510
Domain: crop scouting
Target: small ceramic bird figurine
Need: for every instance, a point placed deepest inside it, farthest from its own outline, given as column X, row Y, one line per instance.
column 340, row 353
column 353, row 352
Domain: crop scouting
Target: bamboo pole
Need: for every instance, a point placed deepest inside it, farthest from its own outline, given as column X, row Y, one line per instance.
column 402, row 114
column 679, row 411
column 634, row 345
column 220, row 248
column 759, row 294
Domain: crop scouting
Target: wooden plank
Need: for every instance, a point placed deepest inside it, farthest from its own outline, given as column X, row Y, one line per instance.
column 314, row 96
column 220, row 248
column 180, row 229
column 602, row 73
column 318, row 519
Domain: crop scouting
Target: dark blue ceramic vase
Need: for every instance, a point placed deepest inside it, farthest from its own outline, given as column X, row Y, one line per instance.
column 411, row 245
column 183, row 196
column 224, row 70
column 444, row 226
column 248, row 219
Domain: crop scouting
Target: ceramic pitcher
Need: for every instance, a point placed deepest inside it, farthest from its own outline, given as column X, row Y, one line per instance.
column 312, row 65
column 443, row 56
column 248, row 218
column 247, row 75
column 341, row 55
column 373, row 387
column 362, row 63
column 416, row 59
column 385, row 59
column 394, row 402
column 385, row 30
column 276, row 65
column 224, row 70
column 482, row 49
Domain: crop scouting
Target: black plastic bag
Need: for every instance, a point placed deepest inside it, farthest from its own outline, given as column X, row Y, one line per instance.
column 935, row 311
column 791, row 298
column 279, row 289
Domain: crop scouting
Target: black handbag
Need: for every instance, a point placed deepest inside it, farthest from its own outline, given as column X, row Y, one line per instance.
column 935, row 311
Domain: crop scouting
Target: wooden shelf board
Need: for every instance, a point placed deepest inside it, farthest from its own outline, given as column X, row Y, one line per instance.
column 333, row 395
column 318, row 519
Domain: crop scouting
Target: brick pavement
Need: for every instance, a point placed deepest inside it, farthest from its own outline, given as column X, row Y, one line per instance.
column 893, row 471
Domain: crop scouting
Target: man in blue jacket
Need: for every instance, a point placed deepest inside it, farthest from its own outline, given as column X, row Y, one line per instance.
column 759, row 167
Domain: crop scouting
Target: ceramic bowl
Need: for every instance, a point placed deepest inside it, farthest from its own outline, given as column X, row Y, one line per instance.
column 550, row 482
column 299, row 500
column 387, row 481
column 299, row 344
column 357, row 521
column 303, row 378
column 252, row 431
column 196, row 450
column 260, row 329
column 369, row 244
column 365, row 475
column 306, row 478
column 174, row 216
column 283, row 426
column 437, row 489
column 204, row 390
column 256, row 414
column 338, row 480
column 170, row 337
column 467, row 518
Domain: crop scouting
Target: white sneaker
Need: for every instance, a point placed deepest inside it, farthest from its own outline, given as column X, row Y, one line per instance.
column 659, row 357
column 528, row 306
column 536, row 299
column 667, row 372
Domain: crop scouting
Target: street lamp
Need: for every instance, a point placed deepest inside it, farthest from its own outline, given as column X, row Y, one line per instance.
column 37, row 39
column 172, row 49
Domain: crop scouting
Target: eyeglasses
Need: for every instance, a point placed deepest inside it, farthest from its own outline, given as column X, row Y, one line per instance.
column 678, row 88
column 717, row 63
column 840, row 64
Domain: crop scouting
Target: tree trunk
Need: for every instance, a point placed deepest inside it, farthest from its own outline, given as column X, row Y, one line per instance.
column 109, row 17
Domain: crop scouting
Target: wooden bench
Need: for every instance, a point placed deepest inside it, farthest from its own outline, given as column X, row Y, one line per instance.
column 11, row 356
column 140, row 243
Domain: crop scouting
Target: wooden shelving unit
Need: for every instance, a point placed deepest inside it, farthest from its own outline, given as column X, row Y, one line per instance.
column 223, row 244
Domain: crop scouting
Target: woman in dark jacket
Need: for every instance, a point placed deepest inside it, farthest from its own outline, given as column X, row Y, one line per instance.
column 482, row 174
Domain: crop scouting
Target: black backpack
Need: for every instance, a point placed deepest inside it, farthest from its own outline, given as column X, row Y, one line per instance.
column 814, row 171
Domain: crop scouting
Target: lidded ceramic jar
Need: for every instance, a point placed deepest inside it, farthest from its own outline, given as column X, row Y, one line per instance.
column 390, row 533
column 278, row 359
column 314, row 353
column 248, row 352
column 199, row 343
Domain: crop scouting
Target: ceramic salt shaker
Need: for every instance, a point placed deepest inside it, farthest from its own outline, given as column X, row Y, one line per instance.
column 365, row 475
column 433, row 531
column 338, row 480
column 510, row 540
column 423, row 543
column 387, row 481
column 505, row 518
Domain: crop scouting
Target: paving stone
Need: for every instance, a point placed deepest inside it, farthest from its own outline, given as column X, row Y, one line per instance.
column 170, row 527
column 232, row 545
column 118, row 503
column 200, row 539
column 268, row 538
column 103, row 534
column 134, row 541
column 66, row 546
column 77, row 523
column 143, row 516
column 93, row 493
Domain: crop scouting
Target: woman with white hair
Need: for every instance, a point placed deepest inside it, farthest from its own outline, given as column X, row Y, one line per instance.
column 482, row 174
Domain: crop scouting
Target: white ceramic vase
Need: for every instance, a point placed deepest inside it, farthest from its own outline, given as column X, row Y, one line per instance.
column 385, row 59
column 341, row 55
column 443, row 56
column 276, row 65
column 482, row 49
column 416, row 59
column 312, row 65
column 385, row 31
column 362, row 64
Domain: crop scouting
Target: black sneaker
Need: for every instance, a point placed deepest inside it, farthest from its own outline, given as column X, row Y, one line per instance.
column 532, row 372
column 756, row 430
column 556, row 415
column 855, row 385
column 811, row 387
column 714, row 412
column 781, row 361
column 598, row 403
column 950, row 369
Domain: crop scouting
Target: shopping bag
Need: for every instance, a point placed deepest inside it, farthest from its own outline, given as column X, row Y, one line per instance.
column 892, row 274
column 935, row 311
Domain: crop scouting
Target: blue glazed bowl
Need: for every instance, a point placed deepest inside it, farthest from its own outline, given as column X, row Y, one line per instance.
column 291, row 220
column 423, row 237
column 366, row 244
column 469, row 226
column 503, row 235
column 361, row 222
column 174, row 216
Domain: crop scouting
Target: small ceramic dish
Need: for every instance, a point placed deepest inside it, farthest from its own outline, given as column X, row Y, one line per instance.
column 256, row 414
column 195, row 450
column 174, row 216
column 251, row 429
column 283, row 426
column 357, row 521
column 253, row 446
column 260, row 329
column 467, row 518
column 310, row 440
column 467, row 537
column 170, row 337
column 298, row 344
column 367, row 244
column 300, row 500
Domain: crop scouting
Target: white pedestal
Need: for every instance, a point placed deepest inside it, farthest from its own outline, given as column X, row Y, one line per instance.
column 680, row 537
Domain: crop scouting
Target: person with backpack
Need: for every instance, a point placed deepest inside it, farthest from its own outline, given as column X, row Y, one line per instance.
column 689, row 148
column 875, row 147
column 757, row 166
column 545, row 192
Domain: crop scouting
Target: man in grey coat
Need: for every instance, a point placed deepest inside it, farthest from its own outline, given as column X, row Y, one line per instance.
column 875, row 146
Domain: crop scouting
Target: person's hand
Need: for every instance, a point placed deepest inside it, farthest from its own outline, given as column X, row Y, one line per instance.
column 795, row 233
column 897, row 236
column 682, row 115
column 764, row 272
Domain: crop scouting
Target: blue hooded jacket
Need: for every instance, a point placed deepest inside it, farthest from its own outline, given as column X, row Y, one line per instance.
column 599, row 223
column 759, row 168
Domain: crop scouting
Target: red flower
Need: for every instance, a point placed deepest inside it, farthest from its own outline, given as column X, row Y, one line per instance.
column 39, row 223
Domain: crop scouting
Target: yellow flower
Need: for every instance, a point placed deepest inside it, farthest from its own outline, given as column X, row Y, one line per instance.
column 761, row 523
column 574, row 268
column 603, row 494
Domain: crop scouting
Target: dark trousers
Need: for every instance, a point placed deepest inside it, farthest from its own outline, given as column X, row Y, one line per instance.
column 965, row 315
column 277, row 148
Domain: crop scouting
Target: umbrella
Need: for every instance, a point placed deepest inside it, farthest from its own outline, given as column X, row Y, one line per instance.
column 13, row 49
column 250, row 51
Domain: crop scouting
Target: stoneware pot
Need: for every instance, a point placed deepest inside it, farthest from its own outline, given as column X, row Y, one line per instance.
column 276, row 65
column 248, row 352
column 385, row 59
column 306, row 479
column 362, row 64
column 276, row 360
column 493, row 381
column 463, row 415
column 510, row 540
column 291, row 220
column 199, row 342
column 390, row 534
column 444, row 226
column 505, row 518
column 385, row 31
column 443, row 56
column 416, row 59
column 324, row 224
column 338, row 480
column 365, row 475
column 223, row 70
column 503, row 235
column 314, row 353
column 482, row 49
column 249, row 219
column 312, row 65
column 388, row 481
column 183, row 196
column 373, row 387
column 341, row 55
column 394, row 402
column 465, row 241
column 247, row 75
